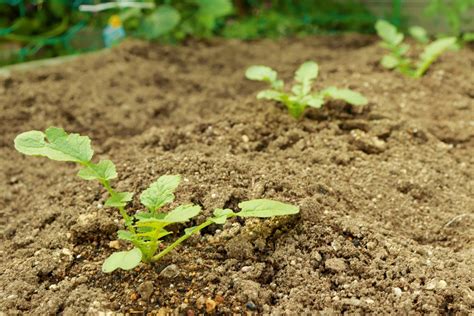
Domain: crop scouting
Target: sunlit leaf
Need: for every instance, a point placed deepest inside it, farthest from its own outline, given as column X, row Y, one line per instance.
column 104, row 170
column 160, row 22
column 160, row 192
column 125, row 260
column 55, row 144
column 347, row 95
column 388, row 32
column 266, row 208
column 388, row 61
column 261, row 73
column 305, row 75
column 221, row 215
column 419, row 33
column 182, row 213
column 119, row 199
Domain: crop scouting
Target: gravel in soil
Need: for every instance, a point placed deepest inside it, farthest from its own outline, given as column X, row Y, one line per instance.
column 386, row 191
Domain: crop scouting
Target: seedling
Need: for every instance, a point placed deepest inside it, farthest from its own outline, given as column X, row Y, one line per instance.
column 398, row 56
column 301, row 96
column 145, row 229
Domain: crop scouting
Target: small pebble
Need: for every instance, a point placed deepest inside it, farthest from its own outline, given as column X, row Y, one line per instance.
column 170, row 272
column 210, row 305
column 134, row 296
column 200, row 302
column 350, row 301
column 53, row 287
column 371, row 245
column 246, row 269
column 431, row 285
column 66, row 252
column 146, row 290
column 397, row 291
column 114, row 244
column 251, row 305
column 219, row 299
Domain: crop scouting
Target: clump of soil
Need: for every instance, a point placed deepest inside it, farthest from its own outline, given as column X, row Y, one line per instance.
column 385, row 191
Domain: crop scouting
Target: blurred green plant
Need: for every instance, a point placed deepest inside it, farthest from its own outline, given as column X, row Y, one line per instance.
column 398, row 56
column 455, row 13
column 173, row 21
column 277, row 18
column 40, row 28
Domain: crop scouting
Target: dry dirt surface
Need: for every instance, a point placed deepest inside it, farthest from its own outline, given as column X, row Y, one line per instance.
column 386, row 191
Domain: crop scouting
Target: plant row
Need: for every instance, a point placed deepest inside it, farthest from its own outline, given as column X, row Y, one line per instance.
column 145, row 229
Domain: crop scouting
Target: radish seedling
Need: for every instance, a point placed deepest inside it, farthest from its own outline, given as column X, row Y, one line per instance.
column 398, row 57
column 145, row 229
column 301, row 96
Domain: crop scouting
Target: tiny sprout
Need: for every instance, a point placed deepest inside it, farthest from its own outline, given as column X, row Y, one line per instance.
column 301, row 96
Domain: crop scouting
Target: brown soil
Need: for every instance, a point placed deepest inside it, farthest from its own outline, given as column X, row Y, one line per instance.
column 386, row 192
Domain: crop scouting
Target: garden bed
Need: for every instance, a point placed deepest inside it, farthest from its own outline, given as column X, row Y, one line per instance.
column 386, row 192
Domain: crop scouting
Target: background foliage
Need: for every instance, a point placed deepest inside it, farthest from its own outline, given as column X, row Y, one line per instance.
column 31, row 29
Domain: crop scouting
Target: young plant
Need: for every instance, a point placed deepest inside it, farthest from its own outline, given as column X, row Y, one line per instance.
column 146, row 229
column 301, row 96
column 398, row 58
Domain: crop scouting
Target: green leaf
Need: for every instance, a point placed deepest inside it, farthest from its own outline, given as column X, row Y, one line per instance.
column 160, row 192
column 104, row 170
column 125, row 260
column 389, row 61
column 277, row 84
column 347, row 95
column 191, row 230
column 162, row 21
column 419, row 33
column 119, row 199
column 402, row 49
column 261, row 73
column 153, row 234
column 221, row 215
column 57, row 7
column 388, row 32
column 468, row 37
column 436, row 48
column 57, row 146
column 125, row 235
column 182, row 213
column 297, row 90
column 214, row 8
column 155, row 223
column 266, row 208
column 315, row 101
column 54, row 133
column 270, row 95
column 305, row 75
column 432, row 52
column 146, row 215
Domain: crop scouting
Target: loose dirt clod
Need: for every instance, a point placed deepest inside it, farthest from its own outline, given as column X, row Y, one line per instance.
column 335, row 265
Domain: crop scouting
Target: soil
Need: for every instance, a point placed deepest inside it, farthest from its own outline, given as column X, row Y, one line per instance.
column 386, row 191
